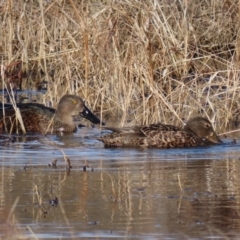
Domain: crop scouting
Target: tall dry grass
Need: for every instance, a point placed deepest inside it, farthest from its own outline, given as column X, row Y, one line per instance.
column 138, row 61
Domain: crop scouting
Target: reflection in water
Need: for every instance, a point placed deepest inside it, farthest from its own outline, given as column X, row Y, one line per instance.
column 124, row 193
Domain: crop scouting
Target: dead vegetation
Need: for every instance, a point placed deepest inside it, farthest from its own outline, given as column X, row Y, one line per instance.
column 137, row 61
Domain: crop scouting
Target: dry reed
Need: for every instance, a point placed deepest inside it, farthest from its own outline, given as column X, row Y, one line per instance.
column 133, row 61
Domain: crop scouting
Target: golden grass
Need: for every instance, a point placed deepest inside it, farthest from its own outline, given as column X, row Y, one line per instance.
column 137, row 61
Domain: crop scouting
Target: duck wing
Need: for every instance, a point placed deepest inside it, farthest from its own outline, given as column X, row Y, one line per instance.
column 126, row 131
column 158, row 128
column 144, row 131
column 26, row 106
column 35, row 117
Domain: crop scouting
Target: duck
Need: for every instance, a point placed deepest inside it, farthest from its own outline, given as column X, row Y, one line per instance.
column 198, row 131
column 38, row 118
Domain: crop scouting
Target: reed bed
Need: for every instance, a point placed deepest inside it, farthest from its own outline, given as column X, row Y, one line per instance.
column 134, row 62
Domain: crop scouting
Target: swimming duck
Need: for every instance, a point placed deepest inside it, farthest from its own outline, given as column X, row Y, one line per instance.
column 198, row 131
column 41, row 119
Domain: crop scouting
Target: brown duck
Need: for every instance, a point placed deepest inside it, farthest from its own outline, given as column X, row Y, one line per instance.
column 38, row 118
column 198, row 131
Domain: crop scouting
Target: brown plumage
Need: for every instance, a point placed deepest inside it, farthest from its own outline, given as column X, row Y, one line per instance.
column 197, row 132
column 39, row 118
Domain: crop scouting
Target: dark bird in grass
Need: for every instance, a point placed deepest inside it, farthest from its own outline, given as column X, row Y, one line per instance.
column 198, row 131
column 38, row 118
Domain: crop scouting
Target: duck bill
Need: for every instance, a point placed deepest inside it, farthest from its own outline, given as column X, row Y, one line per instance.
column 214, row 139
column 86, row 113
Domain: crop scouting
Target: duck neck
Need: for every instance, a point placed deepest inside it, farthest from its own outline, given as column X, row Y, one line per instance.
column 63, row 122
column 189, row 130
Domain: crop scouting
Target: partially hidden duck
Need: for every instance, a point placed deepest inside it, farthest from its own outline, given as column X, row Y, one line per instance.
column 38, row 118
column 198, row 131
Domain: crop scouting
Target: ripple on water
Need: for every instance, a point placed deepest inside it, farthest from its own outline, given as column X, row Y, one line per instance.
column 121, row 193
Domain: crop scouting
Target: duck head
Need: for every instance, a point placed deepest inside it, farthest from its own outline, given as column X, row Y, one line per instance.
column 202, row 128
column 71, row 106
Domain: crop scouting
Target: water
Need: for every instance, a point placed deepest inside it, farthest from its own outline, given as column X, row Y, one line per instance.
column 123, row 194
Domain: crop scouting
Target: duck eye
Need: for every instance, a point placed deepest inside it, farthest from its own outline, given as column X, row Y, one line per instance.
column 207, row 125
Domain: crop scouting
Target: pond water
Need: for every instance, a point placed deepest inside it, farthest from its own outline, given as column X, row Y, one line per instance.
column 189, row 193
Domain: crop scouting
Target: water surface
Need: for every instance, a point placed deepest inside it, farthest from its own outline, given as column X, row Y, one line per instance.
column 117, row 193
